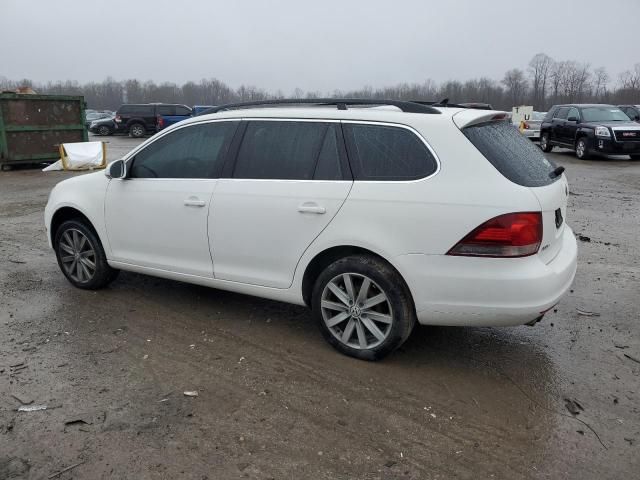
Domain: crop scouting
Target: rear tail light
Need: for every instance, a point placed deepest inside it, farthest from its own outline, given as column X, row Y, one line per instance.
column 526, row 126
column 160, row 122
column 509, row 235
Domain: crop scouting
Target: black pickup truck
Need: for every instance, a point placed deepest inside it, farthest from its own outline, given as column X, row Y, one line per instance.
column 590, row 129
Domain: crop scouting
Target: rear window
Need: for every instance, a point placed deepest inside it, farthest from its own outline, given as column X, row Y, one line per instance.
column 513, row 154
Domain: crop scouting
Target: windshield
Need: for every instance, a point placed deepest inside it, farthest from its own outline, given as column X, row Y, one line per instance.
column 604, row 114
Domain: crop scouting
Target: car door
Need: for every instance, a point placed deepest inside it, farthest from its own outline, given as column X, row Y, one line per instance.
column 558, row 125
column 157, row 216
column 571, row 126
column 288, row 181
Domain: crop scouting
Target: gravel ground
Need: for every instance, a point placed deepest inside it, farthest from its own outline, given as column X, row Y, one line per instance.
column 558, row 400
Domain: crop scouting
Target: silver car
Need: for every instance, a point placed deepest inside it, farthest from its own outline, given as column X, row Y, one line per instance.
column 531, row 128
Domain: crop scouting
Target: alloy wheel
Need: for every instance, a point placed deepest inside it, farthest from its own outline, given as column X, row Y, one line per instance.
column 356, row 311
column 580, row 148
column 77, row 255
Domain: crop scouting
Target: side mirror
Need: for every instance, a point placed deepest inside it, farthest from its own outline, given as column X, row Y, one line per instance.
column 572, row 119
column 117, row 169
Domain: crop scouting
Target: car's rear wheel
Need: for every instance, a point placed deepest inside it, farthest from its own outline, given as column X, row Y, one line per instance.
column 582, row 149
column 104, row 130
column 544, row 143
column 81, row 256
column 363, row 307
column 137, row 130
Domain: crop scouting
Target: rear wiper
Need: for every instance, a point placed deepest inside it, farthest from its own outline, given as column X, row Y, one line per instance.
column 556, row 172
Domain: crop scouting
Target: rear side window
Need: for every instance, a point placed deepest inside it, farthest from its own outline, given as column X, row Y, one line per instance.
column 196, row 151
column 514, row 155
column 280, row 150
column 380, row 152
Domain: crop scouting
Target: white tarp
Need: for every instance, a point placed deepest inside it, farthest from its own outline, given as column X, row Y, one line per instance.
column 80, row 156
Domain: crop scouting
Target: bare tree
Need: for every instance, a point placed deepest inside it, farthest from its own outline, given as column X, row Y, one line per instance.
column 539, row 70
column 600, row 81
column 516, row 85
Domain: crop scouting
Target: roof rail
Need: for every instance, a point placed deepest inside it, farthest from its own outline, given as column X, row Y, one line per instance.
column 340, row 103
column 445, row 104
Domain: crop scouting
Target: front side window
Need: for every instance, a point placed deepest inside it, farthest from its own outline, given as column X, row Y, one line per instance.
column 280, row 150
column 380, row 152
column 562, row 113
column 143, row 110
column 195, row 151
column 573, row 112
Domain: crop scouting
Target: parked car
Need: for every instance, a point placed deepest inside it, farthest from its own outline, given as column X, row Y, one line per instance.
column 200, row 109
column 366, row 215
column 169, row 114
column 589, row 129
column 140, row 119
column 632, row 111
column 92, row 116
column 531, row 128
column 103, row 126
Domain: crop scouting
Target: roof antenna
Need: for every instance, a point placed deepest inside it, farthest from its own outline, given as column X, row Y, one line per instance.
column 444, row 102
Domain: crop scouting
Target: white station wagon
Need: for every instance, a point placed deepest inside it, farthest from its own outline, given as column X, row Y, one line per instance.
column 373, row 213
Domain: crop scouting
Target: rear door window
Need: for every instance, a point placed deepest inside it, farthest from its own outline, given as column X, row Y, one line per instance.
column 511, row 153
column 385, row 153
column 196, row 151
column 280, row 150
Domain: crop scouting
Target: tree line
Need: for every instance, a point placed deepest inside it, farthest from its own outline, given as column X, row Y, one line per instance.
column 543, row 83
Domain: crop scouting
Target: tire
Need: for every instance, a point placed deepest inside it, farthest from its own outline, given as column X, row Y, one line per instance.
column 81, row 256
column 544, row 143
column 338, row 302
column 137, row 130
column 582, row 149
column 104, row 130
column 635, row 156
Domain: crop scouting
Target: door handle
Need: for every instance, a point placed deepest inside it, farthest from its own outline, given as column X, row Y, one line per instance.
column 311, row 207
column 194, row 202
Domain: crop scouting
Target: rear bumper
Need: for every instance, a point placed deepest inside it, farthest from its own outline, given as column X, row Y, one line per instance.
column 471, row 291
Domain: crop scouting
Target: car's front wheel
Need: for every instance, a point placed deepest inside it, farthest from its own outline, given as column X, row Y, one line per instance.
column 363, row 307
column 81, row 256
column 582, row 149
column 544, row 143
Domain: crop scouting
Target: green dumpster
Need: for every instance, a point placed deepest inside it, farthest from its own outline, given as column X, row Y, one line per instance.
column 32, row 127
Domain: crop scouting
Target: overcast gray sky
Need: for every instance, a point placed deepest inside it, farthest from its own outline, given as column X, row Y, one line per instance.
column 315, row 45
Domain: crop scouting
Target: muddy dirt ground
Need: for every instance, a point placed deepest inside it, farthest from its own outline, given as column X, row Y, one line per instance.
column 558, row 400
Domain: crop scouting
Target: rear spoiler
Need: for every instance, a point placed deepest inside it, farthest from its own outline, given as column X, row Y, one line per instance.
column 468, row 118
